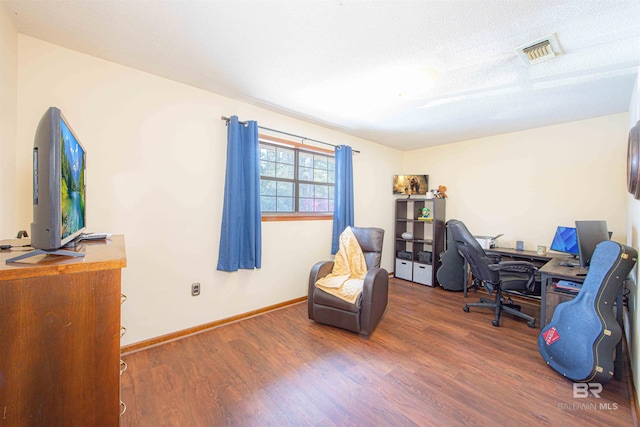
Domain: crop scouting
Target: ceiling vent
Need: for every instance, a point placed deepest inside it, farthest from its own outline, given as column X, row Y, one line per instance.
column 540, row 50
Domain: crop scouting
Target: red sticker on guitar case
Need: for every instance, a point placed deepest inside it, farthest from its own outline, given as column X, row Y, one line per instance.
column 551, row 335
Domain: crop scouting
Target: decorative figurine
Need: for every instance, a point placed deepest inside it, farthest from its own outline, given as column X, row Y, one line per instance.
column 442, row 192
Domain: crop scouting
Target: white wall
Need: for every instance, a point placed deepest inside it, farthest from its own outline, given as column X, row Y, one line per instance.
column 156, row 160
column 525, row 184
column 8, row 102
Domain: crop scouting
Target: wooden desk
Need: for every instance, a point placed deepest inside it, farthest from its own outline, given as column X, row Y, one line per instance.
column 522, row 255
column 60, row 336
column 551, row 273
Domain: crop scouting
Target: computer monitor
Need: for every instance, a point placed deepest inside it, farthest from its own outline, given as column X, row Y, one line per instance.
column 590, row 233
column 565, row 240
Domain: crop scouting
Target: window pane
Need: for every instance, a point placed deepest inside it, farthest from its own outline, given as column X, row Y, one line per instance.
column 321, row 205
column 267, row 168
column 322, row 192
column 267, row 187
column 320, row 162
column 285, row 204
column 286, row 156
column 306, row 190
column 284, row 171
column 306, row 205
column 306, row 159
column 267, row 152
column 320, row 175
column 305, row 174
column 267, row 204
column 285, row 189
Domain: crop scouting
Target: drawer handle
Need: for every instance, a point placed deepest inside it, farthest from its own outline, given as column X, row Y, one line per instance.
column 421, row 267
column 123, row 331
column 123, row 366
column 123, row 298
column 123, row 408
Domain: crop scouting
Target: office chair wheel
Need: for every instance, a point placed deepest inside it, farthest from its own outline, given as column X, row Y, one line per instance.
column 495, row 323
column 531, row 324
column 465, row 309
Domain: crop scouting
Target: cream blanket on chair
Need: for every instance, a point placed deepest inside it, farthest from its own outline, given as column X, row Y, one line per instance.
column 349, row 269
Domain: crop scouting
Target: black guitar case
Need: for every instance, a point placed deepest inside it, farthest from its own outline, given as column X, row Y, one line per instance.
column 579, row 341
column 451, row 274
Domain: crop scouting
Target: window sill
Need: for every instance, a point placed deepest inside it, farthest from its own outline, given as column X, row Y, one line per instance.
column 296, row 217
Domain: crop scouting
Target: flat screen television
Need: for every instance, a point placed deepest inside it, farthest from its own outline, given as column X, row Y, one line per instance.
column 410, row 184
column 59, row 193
column 565, row 240
column 590, row 233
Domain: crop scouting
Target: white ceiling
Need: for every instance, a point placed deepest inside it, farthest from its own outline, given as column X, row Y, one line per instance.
column 406, row 74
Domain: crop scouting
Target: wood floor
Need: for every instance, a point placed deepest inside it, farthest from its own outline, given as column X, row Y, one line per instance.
column 427, row 364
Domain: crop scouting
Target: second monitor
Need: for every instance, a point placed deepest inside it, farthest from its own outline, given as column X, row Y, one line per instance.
column 590, row 233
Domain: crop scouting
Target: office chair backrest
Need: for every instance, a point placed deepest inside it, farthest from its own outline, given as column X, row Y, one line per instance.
column 473, row 252
column 370, row 240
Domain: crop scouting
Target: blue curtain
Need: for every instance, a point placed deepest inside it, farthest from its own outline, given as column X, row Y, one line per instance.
column 343, row 194
column 241, row 233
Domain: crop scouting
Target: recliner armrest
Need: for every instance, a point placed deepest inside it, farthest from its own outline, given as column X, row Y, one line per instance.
column 375, row 277
column 319, row 270
column 375, row 295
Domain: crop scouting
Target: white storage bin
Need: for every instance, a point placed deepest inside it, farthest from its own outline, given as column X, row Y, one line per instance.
column 403, row 269
column 422, row 273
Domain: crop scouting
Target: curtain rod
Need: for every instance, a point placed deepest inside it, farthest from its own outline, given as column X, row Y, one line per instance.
column 226, row 119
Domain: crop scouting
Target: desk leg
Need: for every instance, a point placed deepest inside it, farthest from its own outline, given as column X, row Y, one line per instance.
column 544, row 282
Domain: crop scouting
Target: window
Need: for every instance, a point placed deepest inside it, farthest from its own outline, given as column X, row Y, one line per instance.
column 295, row 179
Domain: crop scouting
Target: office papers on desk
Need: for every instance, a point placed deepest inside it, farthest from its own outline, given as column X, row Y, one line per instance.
column 567, row 286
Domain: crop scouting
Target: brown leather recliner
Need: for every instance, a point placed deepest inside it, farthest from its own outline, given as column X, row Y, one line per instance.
column 362, row 316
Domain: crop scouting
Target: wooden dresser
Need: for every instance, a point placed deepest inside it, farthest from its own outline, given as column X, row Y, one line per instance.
column 60, row 337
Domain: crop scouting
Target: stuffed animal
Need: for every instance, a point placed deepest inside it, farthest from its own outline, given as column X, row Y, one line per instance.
column 442, row 191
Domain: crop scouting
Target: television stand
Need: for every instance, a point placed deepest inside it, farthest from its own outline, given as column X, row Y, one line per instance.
column 60, row 357
column 36, row 252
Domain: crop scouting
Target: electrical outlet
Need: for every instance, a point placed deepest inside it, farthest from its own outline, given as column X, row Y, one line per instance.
column 195, row 289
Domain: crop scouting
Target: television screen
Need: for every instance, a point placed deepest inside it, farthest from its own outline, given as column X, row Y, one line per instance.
column 59, row 195
column 565, row 240
column 410, row 184
column 72, row 190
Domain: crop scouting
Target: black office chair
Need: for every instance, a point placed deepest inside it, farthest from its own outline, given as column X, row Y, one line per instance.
column 501, row 276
